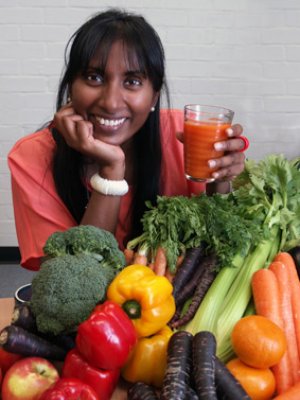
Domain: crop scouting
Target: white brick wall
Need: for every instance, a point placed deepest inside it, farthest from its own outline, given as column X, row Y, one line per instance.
column 243, row 54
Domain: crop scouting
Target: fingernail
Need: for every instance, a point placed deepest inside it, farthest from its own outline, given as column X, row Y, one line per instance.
column 219, row 146
column 212, row 163
column 229, row 132
column 215, row 175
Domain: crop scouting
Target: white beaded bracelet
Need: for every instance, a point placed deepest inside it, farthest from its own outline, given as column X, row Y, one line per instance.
column 108, row 187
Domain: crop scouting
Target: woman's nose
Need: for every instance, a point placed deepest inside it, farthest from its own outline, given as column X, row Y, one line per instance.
column 111, row 98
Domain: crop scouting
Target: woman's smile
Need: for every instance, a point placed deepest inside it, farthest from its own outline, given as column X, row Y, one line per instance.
column 110, row 122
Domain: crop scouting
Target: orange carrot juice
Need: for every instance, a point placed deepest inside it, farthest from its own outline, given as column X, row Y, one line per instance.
column 199, row 139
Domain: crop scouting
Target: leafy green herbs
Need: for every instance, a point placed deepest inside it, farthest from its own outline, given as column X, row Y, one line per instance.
column 179, row 223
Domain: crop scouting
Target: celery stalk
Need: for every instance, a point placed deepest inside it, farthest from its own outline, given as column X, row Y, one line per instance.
column 239, row 295
column 208, row 311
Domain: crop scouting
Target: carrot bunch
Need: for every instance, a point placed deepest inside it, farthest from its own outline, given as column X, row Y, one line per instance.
column 276, row 294
column 157, row 262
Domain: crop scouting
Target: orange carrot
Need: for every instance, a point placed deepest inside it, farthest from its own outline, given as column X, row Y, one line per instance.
column 265, row 290
column 151, row 265
column 140, row 258
column 179, row 261
column 266, row 296
column 288, row 261
column 129, row 255
column 160, row 262
column 292, row 393
column 281, row 272
column 169, row 275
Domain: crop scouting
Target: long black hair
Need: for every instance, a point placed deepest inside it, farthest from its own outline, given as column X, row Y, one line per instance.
column 95, row 37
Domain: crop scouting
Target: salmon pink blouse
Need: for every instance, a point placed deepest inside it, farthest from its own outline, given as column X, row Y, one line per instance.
column 38, row 209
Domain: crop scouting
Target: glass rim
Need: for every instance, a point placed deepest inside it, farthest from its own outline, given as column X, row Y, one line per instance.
column 208, row 109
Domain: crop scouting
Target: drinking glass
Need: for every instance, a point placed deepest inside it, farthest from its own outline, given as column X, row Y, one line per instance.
column 203, row 126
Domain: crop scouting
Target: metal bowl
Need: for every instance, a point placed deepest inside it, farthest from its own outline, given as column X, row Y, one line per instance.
column 23, row 293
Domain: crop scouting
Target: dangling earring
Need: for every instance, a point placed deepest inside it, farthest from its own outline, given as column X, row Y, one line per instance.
column 152, row 109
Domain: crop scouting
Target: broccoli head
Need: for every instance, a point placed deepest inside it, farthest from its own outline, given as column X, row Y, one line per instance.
column 57, row 246
column 86, row 239
column 65, row 291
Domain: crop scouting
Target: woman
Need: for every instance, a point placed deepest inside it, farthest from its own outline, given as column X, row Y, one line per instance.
column 107, row 135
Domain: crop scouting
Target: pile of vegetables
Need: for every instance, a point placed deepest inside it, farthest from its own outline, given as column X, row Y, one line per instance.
column 244, row 230
column 220, row 258
column 131, row 318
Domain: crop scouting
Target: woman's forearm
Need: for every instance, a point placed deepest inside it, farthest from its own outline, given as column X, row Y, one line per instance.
column 222, row 187
column 102, row 211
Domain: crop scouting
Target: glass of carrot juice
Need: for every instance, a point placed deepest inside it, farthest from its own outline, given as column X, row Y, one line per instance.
column 203, row 126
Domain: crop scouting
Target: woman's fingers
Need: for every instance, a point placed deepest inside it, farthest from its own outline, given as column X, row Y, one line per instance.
column 229, row 166
column 234, row 130
column 236, row 144
column 179, row 136
column 76, row 131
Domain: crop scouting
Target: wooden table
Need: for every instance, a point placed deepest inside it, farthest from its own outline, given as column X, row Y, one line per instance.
column 6, row 309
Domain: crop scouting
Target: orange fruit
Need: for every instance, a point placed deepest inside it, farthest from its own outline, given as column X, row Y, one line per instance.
column 258, row 383
column 258, row 342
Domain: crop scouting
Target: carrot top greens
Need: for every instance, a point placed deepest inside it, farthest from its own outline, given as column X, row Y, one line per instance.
column 179, row 223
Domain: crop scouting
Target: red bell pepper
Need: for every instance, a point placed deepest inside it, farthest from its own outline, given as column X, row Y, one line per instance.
column 106, row 338
column 7, row 359
column 69, row 389
column 102, row 381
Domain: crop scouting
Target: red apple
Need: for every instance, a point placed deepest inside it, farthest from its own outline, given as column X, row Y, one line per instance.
column 28, row 378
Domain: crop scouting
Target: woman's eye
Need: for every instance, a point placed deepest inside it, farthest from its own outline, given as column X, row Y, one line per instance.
column 94, row 78
column 133, row 82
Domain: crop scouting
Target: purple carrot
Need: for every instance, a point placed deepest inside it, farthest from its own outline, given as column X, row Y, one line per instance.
column 187, row 269
column 206, row 279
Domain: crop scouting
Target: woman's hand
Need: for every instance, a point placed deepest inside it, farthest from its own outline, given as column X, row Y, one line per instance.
column 78, row 134
column 233, row 161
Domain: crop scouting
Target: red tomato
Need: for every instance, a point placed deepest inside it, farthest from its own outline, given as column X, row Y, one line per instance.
column 7, row 359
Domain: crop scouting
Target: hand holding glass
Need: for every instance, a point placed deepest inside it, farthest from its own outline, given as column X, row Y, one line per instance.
column 203, row 127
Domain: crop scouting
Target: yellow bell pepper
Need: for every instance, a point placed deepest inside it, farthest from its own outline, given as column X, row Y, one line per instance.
column 148, row 360
column 146, row 298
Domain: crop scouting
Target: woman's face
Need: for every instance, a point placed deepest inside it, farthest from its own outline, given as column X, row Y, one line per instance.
column 116, row 101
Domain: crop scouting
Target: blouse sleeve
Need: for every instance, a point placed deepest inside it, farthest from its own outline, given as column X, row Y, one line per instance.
column 38, row 209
